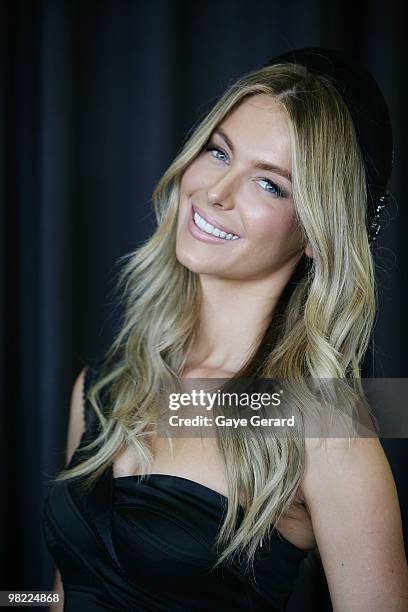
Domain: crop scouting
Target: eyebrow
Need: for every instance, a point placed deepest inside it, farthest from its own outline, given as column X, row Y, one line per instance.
column 261, row 165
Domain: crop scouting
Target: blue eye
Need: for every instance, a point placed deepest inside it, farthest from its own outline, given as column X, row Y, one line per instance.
column 211, row 148
column 275, row 189
column 272, row 188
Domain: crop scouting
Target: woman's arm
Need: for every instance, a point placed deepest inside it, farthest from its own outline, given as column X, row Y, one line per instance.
column 356, row 518
column 75, row 429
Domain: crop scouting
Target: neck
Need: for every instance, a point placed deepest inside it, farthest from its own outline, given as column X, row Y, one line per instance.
column 233, row 319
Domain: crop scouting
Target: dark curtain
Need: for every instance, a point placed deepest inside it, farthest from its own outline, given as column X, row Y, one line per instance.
column 96, row 99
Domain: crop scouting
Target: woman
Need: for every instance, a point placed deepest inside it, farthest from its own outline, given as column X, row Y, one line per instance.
column 261, row 264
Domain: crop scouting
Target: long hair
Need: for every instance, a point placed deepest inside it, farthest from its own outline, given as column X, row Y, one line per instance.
column 321, row 327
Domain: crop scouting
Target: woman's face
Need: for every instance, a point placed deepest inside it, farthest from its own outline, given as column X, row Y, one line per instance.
column 239, row 188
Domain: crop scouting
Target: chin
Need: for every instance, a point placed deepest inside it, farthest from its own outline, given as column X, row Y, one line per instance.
column 194, row 264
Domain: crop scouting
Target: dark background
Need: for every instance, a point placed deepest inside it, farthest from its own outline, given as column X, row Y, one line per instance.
column 96, row 100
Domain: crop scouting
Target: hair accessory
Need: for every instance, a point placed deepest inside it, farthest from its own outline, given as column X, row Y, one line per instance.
column 369, row 112
column 375, row 226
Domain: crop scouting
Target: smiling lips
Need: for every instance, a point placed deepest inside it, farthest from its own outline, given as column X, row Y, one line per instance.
column 205, row 226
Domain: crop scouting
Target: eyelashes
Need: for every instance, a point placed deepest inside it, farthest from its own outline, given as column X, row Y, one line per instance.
column 211, row 147
column 277, row 191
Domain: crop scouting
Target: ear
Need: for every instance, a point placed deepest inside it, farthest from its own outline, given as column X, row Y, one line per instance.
column 309, row 250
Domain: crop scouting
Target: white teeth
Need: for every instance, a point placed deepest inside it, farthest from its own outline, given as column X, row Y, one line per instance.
column 210, row 229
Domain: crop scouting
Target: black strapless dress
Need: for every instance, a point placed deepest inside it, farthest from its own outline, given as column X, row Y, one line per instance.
column 129, row 544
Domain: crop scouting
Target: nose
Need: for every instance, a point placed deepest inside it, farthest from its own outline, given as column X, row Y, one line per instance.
column 221, row 193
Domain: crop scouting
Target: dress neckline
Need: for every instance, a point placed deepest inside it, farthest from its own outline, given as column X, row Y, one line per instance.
column 188, row 480
column 200, row 486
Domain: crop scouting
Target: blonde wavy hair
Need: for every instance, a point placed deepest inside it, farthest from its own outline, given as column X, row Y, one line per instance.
column 321, row 327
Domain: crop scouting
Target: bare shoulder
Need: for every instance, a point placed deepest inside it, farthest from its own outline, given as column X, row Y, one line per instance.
column 76, row 424
column 350, row 493
column 342, row 464
column 326, row 454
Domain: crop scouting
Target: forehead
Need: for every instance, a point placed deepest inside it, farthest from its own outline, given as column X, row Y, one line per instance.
column 259, row 128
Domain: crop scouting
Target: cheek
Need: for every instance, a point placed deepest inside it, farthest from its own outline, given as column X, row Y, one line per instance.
column 192, row 178
column 270, row 221
column 184, row 184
